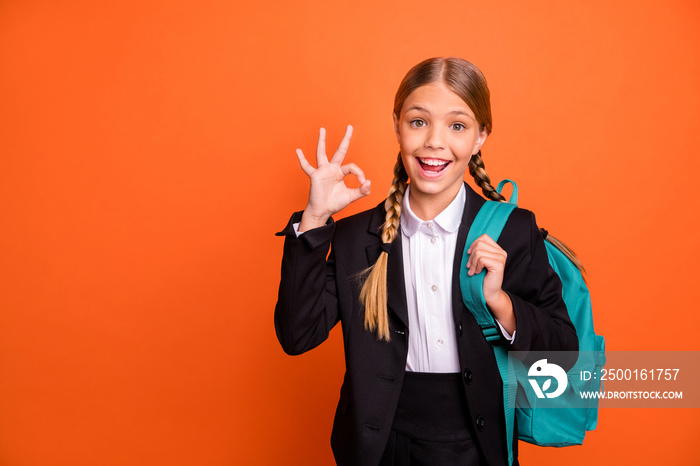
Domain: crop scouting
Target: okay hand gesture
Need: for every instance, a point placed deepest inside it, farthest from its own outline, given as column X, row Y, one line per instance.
column 328, row 193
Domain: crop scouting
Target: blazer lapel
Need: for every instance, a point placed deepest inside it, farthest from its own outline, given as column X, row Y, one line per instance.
column 395, row 283
column 471, row 207
column 396, row 289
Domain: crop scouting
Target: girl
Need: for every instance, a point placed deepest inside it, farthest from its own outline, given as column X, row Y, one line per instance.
column 421, row 385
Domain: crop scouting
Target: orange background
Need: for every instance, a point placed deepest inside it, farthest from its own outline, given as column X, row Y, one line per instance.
column 147, row 158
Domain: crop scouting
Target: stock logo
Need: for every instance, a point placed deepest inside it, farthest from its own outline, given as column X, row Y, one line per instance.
column 542, row 368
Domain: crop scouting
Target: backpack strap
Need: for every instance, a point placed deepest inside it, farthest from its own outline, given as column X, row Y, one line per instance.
column 513, row 197
column 490, row 220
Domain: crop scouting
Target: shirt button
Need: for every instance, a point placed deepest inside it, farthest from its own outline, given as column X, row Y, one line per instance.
column 434, row 288
column 439, row 342
column 429, row 225
column 432, row 240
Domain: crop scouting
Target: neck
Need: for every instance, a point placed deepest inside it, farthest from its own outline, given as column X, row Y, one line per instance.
column 427, row 206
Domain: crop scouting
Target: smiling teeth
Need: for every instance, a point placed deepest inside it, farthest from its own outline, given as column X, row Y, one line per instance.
column 434, row 162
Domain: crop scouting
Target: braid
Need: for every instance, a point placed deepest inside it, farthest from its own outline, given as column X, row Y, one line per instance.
column 393, row 202
column 476, row 169
column 373, row 294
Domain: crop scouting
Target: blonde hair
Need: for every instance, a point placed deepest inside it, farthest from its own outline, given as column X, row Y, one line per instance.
column 373, row 293
column 467, row 81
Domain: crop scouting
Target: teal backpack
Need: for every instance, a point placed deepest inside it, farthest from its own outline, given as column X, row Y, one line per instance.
column 562, row 420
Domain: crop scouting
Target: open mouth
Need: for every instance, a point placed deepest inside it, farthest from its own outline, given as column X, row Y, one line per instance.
column 433, row 166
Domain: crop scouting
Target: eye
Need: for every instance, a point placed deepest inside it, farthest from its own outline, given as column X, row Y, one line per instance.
column 458, row 127
column 417, row 123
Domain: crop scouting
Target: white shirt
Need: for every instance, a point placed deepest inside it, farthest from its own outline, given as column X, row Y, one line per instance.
column 428, row 256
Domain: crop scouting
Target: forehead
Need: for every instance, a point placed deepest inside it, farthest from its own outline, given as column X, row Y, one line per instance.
column 436, row 98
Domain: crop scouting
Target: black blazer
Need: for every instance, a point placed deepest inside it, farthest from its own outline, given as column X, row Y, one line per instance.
column 318, row 289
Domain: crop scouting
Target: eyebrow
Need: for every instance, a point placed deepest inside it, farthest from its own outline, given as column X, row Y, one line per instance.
column 453, row 112
column 460, row 112
column 416, row 107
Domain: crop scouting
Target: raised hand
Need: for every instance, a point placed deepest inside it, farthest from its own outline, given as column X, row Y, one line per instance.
column 328, row 193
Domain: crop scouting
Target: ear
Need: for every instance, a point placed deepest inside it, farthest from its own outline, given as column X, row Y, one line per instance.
column 396, row 127
column 480, row 141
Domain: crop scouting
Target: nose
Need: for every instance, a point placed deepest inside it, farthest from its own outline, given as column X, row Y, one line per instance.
column 435, row 138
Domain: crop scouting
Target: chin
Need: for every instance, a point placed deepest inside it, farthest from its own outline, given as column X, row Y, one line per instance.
column 430, row 188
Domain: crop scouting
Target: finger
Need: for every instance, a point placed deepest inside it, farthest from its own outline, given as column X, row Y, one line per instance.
column 473, row 264
column 487, row 253
column 486, row 238
column 362, row 191
column 305, row 165
column 492, row 262
column 365, row 188
column 321, row 157
column 486, row 243
column 480, row 256
column 355, row 170
column 343, row 146
column 487, row 250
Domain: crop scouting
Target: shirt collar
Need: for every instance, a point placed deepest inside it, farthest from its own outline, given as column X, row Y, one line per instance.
column 449, row 219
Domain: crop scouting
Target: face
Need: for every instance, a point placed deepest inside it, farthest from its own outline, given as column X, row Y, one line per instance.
column 437, row 133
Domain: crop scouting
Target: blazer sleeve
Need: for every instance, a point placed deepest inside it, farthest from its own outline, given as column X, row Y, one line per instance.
column 307, row 304
column 542, row 320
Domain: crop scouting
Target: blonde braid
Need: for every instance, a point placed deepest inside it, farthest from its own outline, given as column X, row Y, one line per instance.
column 373, row 295
column 476, row 169
column 393, row 202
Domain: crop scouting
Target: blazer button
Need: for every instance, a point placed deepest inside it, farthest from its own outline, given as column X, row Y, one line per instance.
column 459, row 329
column 480, row 423
column 468, row 377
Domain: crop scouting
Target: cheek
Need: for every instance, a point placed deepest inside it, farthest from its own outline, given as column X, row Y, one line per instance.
column 468, row 145
column 462, row 148
column 409, row 166
column 409, row 141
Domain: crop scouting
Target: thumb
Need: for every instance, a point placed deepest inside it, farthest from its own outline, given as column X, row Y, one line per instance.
column 362, row 191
